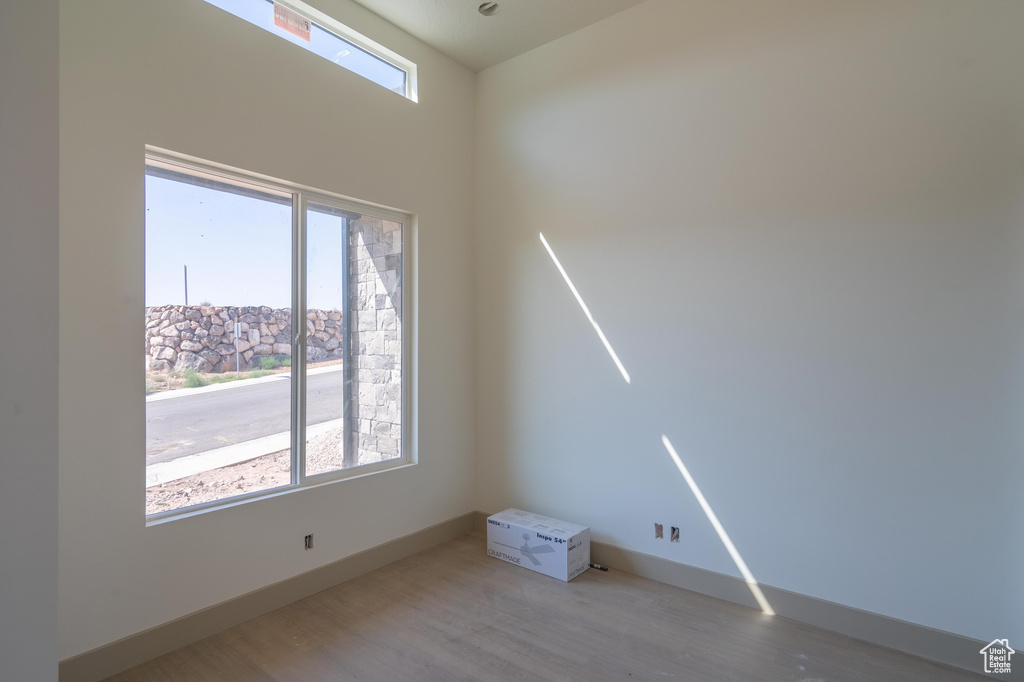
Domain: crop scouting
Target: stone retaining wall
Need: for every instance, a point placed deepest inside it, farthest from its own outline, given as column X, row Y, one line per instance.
column 202, row 338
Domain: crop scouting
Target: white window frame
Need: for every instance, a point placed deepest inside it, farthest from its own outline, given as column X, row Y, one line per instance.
column 362, row 42
column 301, row 197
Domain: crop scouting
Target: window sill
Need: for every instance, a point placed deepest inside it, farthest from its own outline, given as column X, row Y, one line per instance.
column 316, row 481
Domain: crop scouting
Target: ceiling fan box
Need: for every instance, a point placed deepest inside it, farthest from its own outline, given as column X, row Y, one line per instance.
column 556, row 548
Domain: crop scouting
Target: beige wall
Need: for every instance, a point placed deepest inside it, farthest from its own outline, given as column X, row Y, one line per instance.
column 797, row 222
column 28, row 364
column 800, row 224
column 189, row 77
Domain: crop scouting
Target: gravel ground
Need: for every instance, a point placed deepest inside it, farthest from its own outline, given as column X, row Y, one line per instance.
column 323, row 453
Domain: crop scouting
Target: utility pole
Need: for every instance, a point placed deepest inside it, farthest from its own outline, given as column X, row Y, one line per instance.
column 186, row 285
column 238, row 356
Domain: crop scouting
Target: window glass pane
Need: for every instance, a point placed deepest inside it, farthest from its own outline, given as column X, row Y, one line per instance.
column 325, row 377
column 320, row 40
column 354, row 276
column 218, row 404
column 220, row 332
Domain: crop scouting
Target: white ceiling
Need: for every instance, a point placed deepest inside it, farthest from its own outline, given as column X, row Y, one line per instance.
column 456, row 28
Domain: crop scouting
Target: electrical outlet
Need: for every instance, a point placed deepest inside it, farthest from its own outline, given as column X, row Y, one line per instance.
column 675, row 534
column 659, row 531
column 309, row 541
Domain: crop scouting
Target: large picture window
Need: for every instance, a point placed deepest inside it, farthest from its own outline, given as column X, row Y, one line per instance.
column 275, row 342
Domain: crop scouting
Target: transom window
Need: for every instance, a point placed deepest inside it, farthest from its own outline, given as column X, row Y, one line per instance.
column 312, row 30
column 275, row 340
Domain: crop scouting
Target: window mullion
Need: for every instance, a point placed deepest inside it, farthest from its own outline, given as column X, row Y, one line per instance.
column 351, row 419
column 298, row 373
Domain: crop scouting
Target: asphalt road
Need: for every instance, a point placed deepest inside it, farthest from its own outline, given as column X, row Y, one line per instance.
column 192, row 424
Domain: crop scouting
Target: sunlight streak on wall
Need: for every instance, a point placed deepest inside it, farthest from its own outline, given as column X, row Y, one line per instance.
column 586, row 310
column 755, row 589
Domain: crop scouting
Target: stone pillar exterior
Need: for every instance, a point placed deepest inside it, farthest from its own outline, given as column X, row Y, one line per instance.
column 375, row 316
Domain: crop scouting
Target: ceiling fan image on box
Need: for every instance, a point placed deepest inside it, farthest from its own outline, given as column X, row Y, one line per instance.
column 528, row 551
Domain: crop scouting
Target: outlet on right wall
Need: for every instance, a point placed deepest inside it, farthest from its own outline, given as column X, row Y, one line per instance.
column 799, row 228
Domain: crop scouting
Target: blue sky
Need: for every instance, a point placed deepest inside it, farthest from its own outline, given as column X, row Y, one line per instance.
column 321, row 42
column 237, row 249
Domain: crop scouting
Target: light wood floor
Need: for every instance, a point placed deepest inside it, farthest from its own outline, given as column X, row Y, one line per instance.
column 453, row 613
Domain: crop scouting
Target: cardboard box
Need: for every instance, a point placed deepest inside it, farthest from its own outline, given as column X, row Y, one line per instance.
column 549, row 546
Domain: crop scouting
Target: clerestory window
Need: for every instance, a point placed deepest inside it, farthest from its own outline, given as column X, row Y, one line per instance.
column 312, row 30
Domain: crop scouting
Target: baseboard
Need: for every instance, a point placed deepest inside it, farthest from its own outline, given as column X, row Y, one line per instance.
column 115, row 657
column 480, row 521
column 935, row 645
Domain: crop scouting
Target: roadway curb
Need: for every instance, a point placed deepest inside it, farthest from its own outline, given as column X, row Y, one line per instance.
column 213, row 388
column 165, row 472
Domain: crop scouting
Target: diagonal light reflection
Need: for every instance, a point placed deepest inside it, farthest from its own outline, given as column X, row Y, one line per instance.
column 748, row 577
column 755, row 589
column 586, row 310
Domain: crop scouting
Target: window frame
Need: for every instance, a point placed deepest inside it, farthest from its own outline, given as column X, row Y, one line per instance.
column 302, row 196
column 355, row 38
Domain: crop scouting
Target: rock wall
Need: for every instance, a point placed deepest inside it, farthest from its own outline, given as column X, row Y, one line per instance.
column 202, row 338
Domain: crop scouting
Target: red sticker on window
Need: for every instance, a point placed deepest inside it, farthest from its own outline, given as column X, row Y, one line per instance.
column 292, row 21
